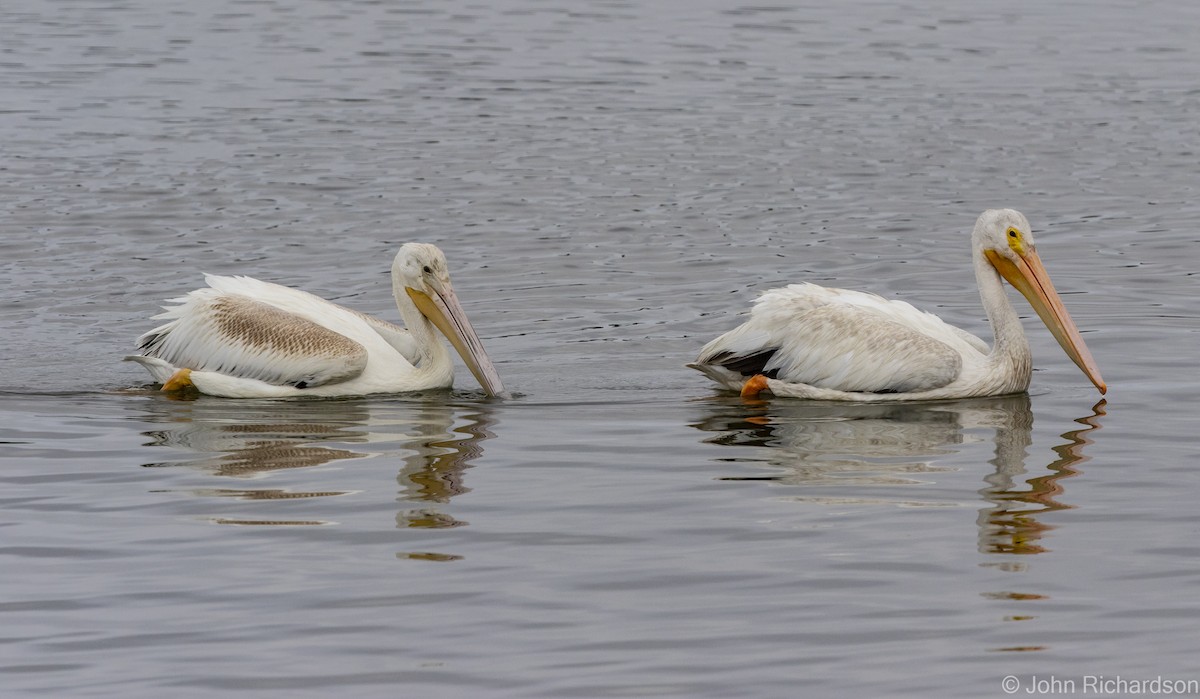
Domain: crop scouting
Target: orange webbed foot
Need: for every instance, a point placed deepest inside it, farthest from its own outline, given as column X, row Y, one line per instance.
column 179, row 381
column 754, row 385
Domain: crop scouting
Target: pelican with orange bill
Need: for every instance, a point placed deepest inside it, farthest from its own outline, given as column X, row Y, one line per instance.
column 809, row 341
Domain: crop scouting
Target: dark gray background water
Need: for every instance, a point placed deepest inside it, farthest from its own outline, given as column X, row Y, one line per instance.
column 612, row 183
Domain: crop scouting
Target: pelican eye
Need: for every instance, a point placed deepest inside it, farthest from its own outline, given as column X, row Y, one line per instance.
column 1016, row 241
column 427, row 269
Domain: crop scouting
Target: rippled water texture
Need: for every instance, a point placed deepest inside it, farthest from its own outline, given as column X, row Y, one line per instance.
column 612, row 183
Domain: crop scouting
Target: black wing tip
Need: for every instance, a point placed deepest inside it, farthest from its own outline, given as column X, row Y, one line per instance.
column 747, row 364
column 149, row 342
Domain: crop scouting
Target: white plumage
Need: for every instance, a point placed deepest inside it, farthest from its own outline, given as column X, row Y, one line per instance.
column 241, row 337
column 809, row 341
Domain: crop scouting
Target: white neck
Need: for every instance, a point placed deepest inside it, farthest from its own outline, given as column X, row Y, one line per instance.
column 1010, row 350
column 434, row 355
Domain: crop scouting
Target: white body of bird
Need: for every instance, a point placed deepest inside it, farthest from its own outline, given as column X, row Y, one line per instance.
column 245, row 338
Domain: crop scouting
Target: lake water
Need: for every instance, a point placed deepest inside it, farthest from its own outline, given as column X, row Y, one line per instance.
column 612, row 183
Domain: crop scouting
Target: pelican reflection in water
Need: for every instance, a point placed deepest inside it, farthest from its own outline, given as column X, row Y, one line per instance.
column 236, row 440
column 859, row 454
column 435, row 444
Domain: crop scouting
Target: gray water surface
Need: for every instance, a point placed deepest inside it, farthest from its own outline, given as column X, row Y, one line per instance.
column 612, row 183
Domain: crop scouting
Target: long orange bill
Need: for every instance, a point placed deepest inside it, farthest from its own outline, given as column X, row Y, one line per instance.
column 448, row 315
column 1030, row 278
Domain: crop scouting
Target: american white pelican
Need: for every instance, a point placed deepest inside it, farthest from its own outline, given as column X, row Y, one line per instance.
column 806, row 341
column 245, row 338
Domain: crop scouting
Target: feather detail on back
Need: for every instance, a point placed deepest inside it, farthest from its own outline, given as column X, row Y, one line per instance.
column 844, row 340
column 247, row 328
column 239, row 336
column 304, row 304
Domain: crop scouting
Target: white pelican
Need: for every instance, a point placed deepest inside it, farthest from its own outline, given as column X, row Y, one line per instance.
column 806, row 341
column 245, row 338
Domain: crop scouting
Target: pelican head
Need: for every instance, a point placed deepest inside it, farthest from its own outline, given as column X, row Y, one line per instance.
column 420, row 269
column 1004, row 238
